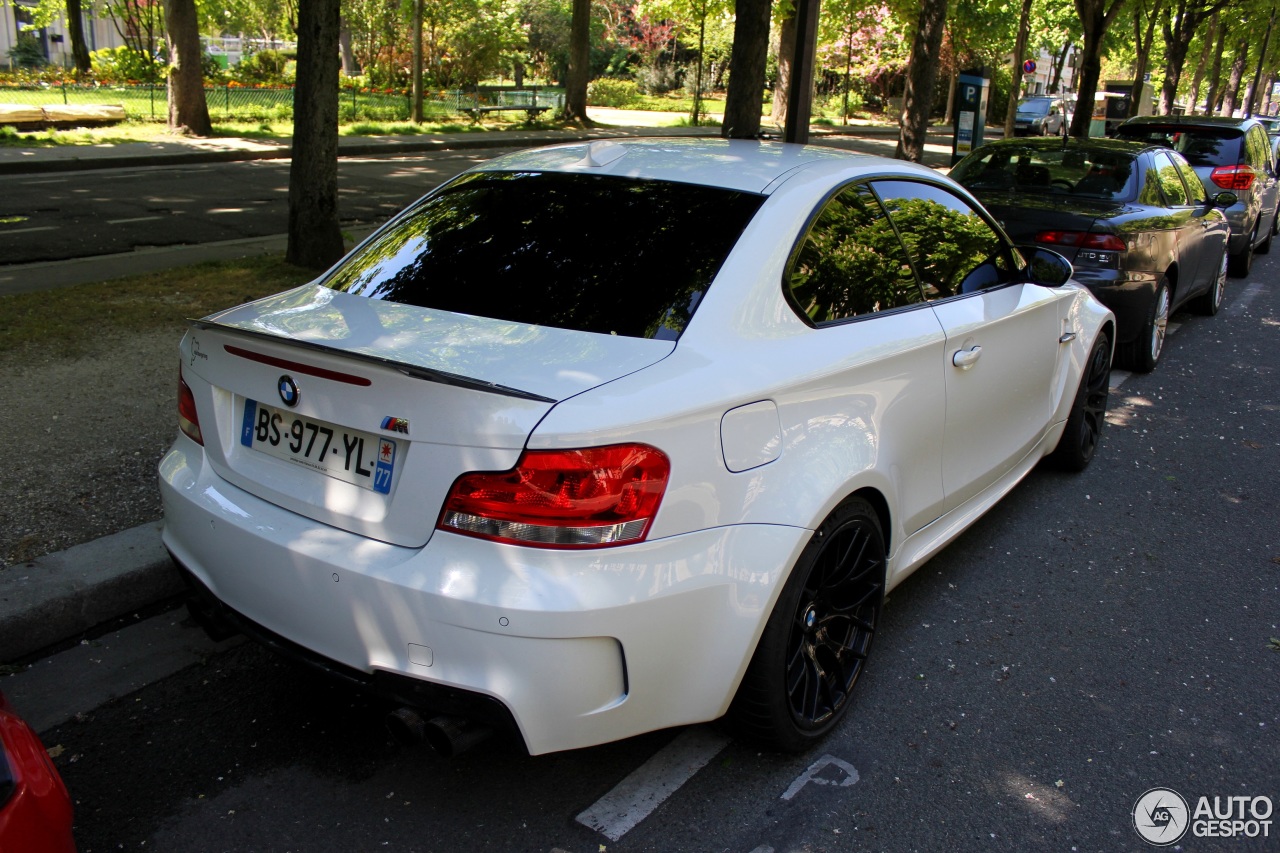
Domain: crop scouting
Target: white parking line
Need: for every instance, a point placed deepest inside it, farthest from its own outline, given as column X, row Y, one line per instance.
column 1240, row 304
column 6, row 231
column 132, row 219
column 635, row 797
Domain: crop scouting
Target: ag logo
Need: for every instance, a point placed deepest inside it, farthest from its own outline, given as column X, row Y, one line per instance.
column 1161, row 817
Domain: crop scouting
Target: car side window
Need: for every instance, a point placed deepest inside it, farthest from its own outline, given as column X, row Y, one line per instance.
column 1195, row 187
column 953, row 247
column 1259, row 152
column 851, row 263
column 1170, row 181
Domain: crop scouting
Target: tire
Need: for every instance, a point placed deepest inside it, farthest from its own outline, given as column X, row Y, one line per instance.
column 1242, row 261
column 815, row 645
column 1083, row 431
column 1144, row 351
column 1209, row 302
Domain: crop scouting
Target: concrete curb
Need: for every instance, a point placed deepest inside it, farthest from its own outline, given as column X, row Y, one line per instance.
column 55, row 597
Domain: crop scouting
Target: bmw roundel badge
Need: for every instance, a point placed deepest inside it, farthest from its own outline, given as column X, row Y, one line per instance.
column 289, row 393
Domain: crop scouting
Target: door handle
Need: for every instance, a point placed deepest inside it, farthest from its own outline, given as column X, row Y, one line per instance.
column 966, row 358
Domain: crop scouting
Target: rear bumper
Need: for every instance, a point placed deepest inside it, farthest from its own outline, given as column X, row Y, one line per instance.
column 1128, row 294
column 578, row 647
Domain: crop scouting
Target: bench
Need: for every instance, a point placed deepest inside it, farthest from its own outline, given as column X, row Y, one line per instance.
column 477, row 112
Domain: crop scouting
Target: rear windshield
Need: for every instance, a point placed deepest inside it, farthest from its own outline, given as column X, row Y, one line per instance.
column 586, row 252
column 1202, row 146
column 1090, row 172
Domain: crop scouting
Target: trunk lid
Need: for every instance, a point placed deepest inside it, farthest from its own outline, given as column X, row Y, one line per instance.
column 390, row 402
column 1024, row 215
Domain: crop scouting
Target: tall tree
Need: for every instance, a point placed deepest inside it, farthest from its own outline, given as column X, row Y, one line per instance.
column 745, row 98
column 1232, row 94
column 1181, row 21
column 786, row 51
column 1142, row 41
column 1215, row 72
column 1019, row 50
column 575, row 90
column 922, row 76
column 75, row 30
column 1096, row 17
column 315, row 239
column 188, row 110
column 1197, row 78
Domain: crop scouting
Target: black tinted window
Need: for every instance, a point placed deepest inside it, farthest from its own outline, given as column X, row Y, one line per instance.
column 954, row 249
column 598, row 254
column 851, row 262
column 1202, row 146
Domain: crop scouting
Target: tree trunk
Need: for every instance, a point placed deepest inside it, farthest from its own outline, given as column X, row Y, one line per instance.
column 575, row 90
column 1251, row 102
column 350, row 67
column 1144, row 45
column 786, row 52
column 415, row 113
column 1179, row 29
column 747, row 61
column 922, row 75
column 1015, row 90
column 1197, row 79
column 1059, row 63
column 1215, row 73
column 315, row 239
column 75, row 30
column 1232, row 95
column 187, row 108
column 1095, row 19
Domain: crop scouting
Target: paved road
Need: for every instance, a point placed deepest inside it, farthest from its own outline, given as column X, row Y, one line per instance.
column 57, row 216
column 1093, row 637
column 51, row 217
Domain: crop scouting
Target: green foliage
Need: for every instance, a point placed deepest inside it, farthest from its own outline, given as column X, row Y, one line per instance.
column 124, row 65
column 26, row 51
column 264, row 67
column 612, row 92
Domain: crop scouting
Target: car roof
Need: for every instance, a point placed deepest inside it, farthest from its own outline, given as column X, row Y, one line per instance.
column 735, row 164
column 1193, row 121
column 1072, row 143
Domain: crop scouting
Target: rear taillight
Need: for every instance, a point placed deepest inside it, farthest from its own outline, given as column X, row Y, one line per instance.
column 1081, row 239
column 589, row 498
column 1234, row 178
column 188, row 420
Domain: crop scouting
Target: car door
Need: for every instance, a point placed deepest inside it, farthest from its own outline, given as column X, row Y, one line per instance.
column 880, row 397
column 1214, row 228
column 1180, row 229
column 1003, row 363
column 1259, row 155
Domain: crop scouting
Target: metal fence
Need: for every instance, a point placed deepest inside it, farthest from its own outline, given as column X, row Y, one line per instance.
column 244, row 103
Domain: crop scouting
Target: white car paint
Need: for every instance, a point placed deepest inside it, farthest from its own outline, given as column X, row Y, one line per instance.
column 767, row 422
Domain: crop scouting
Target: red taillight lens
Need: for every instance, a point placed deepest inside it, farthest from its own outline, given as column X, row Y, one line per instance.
column 1108, row 242
column 1234, row 178
column 589, row 498
column 188, row 420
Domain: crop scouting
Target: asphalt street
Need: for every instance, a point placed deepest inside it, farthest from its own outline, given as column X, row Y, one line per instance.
column 1091, row 638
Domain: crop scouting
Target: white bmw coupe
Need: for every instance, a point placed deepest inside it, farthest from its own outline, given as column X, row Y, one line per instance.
column 601, row 438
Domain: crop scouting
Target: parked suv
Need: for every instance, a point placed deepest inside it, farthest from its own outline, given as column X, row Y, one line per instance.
column 1228, row 154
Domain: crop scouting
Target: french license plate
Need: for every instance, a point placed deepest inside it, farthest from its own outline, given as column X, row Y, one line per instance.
column 361, row 458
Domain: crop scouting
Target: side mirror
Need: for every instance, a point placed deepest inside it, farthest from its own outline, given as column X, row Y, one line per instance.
column 1223, row 199
column 1046, row 267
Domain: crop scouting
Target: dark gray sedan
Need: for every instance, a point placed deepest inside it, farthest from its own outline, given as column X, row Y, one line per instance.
column 1133, row 219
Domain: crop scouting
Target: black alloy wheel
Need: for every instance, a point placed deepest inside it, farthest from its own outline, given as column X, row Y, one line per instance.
column 1083, row 432
column 815, row 645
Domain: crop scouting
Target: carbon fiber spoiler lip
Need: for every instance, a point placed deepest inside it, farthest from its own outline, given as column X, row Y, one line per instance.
column 411, row 370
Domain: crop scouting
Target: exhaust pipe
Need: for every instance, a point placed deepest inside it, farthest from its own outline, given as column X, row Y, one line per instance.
column 448, row 736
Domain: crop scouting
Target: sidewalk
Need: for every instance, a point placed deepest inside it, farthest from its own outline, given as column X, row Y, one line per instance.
column 61, row 596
